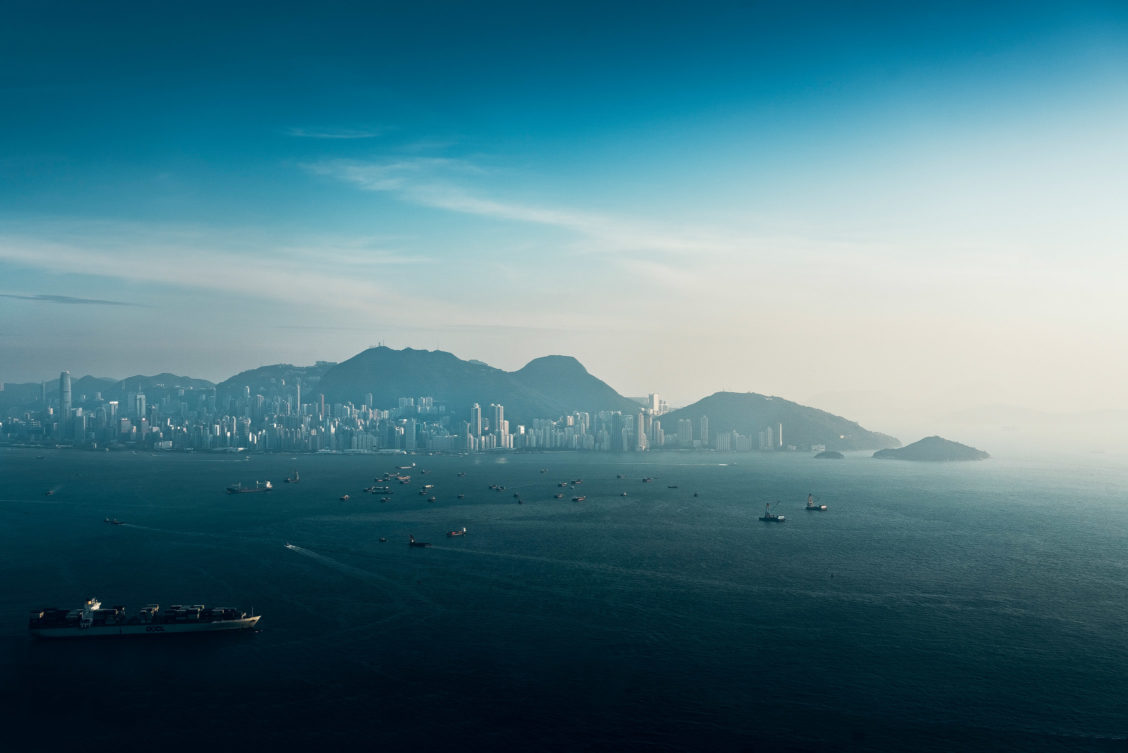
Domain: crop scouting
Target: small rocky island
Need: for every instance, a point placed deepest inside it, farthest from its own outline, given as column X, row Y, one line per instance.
column 829, row 455
column 933, row 449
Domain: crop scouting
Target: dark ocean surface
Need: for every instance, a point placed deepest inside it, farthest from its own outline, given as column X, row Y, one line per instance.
column 976, row 606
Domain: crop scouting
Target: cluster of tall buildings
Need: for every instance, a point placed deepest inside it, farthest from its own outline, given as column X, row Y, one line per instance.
column 198, row 419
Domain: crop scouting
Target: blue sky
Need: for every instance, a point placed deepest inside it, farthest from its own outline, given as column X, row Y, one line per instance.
column 817, row 200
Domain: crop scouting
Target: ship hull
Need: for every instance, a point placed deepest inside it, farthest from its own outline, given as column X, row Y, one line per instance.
column 108, row 631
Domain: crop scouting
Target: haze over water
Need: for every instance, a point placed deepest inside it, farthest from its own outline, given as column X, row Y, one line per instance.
column 930, row 607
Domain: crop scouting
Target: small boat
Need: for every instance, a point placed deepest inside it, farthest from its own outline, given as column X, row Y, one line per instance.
column 559, row 496
column 345, row 498
column 578, row 499
column 647, row 480
column 462, row 496
column 674, row 486
column 544, row 470
column 385, row 499
column 50, row 492
column 293, row 479
column 457, row 533
column 114, row 522
column 418, row 544
column 812, row 504
column 433, row 499
column 769, row 516
column 383, row 540
column 623, row 494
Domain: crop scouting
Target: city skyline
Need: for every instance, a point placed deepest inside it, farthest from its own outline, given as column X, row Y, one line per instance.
column 885, row 212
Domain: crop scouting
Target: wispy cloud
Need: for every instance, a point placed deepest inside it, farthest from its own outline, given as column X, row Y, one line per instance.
column 67, row 299
column 336, row 133
column 435, row 182
column 338, row 273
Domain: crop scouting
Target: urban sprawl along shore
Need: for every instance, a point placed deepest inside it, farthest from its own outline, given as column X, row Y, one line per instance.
column 197, row 419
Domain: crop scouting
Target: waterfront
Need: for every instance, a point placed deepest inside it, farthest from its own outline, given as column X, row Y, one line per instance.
column 931, row 606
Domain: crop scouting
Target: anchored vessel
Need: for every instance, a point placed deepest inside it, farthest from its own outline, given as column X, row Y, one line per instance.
column 769, row 516
column 91, row 620
column 260, row 486
column 812, row 504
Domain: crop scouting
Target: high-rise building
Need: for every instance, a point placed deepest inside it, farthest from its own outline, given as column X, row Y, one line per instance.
column 409, row 435
column 476, row 420
column 65, row 392
column 703, row 431
column 497, row 415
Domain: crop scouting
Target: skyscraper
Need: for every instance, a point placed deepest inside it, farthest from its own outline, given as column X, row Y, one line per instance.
column 65, row 392
column 476, row 420
column 497, row 416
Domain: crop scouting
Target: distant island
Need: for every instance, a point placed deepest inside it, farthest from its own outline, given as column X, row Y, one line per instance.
column 933, row 449
column 832, row 455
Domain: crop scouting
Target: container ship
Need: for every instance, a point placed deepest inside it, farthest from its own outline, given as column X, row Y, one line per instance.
column 260, row 486
column 91, row 620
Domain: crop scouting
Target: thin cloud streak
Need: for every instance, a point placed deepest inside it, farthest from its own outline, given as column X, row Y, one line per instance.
column 426, row 181
column 162, row 260
column 339, row 134
column 66, row 299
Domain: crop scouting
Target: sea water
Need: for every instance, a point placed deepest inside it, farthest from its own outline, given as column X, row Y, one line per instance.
column 931, row 607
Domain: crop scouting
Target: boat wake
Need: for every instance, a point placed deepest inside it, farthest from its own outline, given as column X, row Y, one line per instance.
column 406, row 594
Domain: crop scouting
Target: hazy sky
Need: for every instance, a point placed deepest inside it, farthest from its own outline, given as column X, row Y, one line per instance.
column 842, row 202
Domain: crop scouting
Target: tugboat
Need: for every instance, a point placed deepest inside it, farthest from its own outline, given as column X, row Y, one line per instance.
column 457, row 533
column 417, row 544
column 769, row 516
column 811, row 504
